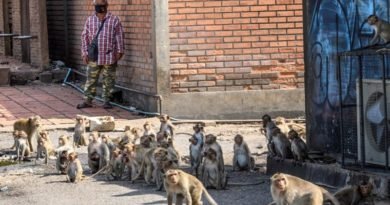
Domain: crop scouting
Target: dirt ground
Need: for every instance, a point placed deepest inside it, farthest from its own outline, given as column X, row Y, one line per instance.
column 35, row 183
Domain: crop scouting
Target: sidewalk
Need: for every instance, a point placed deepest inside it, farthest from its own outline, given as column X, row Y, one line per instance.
column 56, row 105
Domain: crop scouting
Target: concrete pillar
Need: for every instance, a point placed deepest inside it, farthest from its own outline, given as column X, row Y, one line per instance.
column 161, row 47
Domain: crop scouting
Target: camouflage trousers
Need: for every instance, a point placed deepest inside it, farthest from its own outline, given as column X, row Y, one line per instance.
column 93, row 73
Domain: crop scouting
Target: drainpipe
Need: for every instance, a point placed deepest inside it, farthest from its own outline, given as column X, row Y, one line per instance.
column 158, row 97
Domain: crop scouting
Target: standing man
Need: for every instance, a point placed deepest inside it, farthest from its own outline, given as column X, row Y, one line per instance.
column 102, row 47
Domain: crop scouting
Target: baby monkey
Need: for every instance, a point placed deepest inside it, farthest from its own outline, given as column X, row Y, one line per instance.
column 356, row 195
column 74, row 170
column 298, row 147
column 22, row 148
column 242, row 159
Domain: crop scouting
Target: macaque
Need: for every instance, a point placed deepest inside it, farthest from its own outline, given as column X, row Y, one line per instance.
column 64, row 148
column 166, row 125
column 282, row 144
column 356, row 195
column 129, row 155
column 291, row 190
column 211, row 143
column 163, row 136
column 212, row 175
column 31, row 127
column 79, row 136
column 147, row 141
column 268, row 126
column 196, row 147
column 185, row 186
column 382, row 30
column 148, row 129
column 149, row 164
column 98, row 153
column 74, row 170
column 298, row 147
column 242, row 159
column 45, row 147
column 22, row 148
column 137, row 134
column 173, row 153
column 116, row 165
column 108, row 141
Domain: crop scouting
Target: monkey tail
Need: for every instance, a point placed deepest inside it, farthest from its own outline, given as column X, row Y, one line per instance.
column 98, row 172
column 208, row 197
column 329, row 197
column 141, row 169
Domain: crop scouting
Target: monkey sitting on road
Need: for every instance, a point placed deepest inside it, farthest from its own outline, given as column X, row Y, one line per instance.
column 282, row 144
column 45, row 147
column 148, row 129
column 213, row 177
column 298, row 147
column 98, row 153
column 268, row 126
column 22, row 148
column 196, row 147
column 211, row 143
column 242, row 159
column 74, row 170
column 129, row 158
column 282, row 124
column 116, row 165
column 166, row 125
column 108, row 141
column 79, row 136
column 31, row 127
column 64, row 148
column 382, row 29
column 184, row 186
column 291, row 190
column 356, row 195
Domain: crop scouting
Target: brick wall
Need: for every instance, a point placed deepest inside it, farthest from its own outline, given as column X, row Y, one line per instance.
column 236, row 45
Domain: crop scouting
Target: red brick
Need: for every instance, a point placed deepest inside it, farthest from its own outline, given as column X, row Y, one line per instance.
column 232, row 39
column 212, row 3
column 241, row 8
column 248, row 2
column 250, row 14
column 232, row 27
column 231, row 15
column 187, row 10
column 230, row 3
column 194, row 4
column 277, row 7
column 206, row 83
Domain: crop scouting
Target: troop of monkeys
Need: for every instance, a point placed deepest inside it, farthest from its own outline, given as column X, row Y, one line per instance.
column 153, row 156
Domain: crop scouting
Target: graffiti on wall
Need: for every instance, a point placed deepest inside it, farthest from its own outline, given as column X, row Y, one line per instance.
column 334, row 26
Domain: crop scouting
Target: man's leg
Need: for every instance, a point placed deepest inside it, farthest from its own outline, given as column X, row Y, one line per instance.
column 108, row 84
column 93, row 72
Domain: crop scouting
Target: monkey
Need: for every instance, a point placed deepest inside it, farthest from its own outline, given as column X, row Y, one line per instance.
column 268, row 125
column 162, row 136
column 30, row 126
column 79, row 136
column 116, row 165
column 382, row 29
column 98, row 153
column 108, row 141
column 166, row 125
column 211, row 142
column 196, row 147
column 242, row 159
column 22, row 148
column 356, row 195
column 64, row 148
column 129, row 158
column 291, row 190
column 282, row 144
column 45, row 147
column 212, row 175
column 298, row 147
column 149, row 165
column 148, row 130
column 185, row 186
column 74, row 170
column 137, row 134
column 173, row 153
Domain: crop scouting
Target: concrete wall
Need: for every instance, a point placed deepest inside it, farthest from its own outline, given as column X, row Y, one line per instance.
column 235, row 104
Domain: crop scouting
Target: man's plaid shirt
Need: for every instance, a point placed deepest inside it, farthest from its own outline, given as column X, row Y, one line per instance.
column 110, row 40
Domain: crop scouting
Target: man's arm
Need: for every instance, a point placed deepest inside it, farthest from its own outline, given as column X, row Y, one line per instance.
column 119, row 40
column 85, row 41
